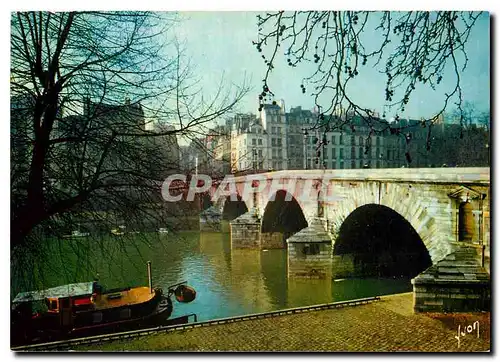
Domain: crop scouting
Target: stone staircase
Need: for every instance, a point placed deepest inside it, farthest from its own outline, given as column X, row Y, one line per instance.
column 457, row 283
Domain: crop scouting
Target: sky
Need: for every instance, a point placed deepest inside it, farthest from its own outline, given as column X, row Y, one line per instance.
column 219, row 44
column 476, row 82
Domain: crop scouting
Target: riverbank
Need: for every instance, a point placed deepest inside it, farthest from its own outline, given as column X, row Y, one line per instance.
column 383, row 326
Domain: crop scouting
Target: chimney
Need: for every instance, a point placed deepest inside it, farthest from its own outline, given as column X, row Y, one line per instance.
column 282, row 105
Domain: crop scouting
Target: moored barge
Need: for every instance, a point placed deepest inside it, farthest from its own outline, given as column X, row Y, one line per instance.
column 80, row 309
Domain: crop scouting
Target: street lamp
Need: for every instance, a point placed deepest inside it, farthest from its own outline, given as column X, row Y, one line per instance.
column 304, row 130
column 324, row 142
column 254, row 159
column 488, row 152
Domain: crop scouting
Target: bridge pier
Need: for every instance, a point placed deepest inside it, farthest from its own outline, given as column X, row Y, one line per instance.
column 273, row 240
column 245, row 231
column 343, row 266
column 310, row 252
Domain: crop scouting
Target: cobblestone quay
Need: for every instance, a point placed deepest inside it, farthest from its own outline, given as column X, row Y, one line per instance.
column 387, row 325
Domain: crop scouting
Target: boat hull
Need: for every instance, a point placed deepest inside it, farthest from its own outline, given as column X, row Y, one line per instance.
column 141, row 316
column 91, row 322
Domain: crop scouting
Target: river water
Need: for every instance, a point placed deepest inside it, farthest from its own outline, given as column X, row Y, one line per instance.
column 228, row 282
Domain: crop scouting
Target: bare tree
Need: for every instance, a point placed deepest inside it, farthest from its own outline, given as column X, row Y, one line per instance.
column 469, row 115
column 85, row 89
column 412, row 48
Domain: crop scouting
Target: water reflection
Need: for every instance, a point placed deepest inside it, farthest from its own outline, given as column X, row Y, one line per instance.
column 240, row 281
column 247, row 280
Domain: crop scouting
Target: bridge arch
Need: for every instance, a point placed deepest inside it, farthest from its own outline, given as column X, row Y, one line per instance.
column 380, row 242
column 282, row 217
column 205, row 200
column 407, row 201
column 232, row 206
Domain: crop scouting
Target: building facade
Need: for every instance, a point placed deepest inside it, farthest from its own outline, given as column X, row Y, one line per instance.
column 249, row 146
column 273, row 120
column 298, row 122
column 298, row 139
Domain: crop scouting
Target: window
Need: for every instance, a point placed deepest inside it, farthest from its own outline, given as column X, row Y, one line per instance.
column 378, row 164
column 254, row 141
column 279, row 130
column 273, row 142
column 341, row 154
column 334, row 153
column 333, row 139
column 310, row 249
column 361, row 152
column 353, row 140
column 273, row 130
column 353, row 153
column 341, row 140
column 378, row 141
column 341, row 165
column 53, row 304
column 334, row 164
column 260, row 141
column 353, row 164
column 279, row 142
column 361, row 141
column 260, row 153
column 274, row 153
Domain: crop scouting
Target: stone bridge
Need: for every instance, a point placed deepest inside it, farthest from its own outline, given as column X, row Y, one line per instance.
column 435, row 201
column 443, row 213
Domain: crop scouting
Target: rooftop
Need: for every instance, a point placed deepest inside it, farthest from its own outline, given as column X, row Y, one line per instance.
column 62, row 291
